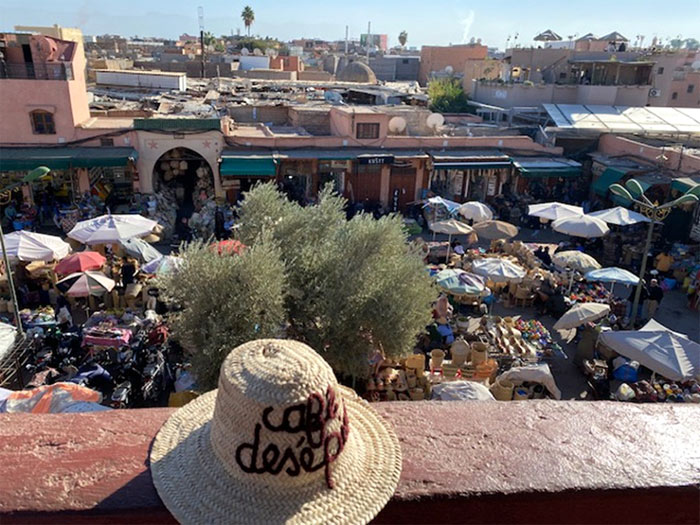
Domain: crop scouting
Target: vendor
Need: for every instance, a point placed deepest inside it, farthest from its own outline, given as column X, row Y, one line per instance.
column 663, row 262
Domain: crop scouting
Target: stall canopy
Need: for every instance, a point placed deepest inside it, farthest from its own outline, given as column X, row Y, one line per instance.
column 239, row 165
column 20, row 159
column 544, row 167
column 470, row 160
column 662, row 351
column 608, row 177
column 685, row 183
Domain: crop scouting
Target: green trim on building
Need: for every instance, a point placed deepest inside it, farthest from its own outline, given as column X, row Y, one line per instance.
column 248, row 167
column 177, row 124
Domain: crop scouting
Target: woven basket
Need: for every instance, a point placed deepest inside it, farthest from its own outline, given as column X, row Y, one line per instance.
column 460, row 352
column 502, row 390
column 480, row 352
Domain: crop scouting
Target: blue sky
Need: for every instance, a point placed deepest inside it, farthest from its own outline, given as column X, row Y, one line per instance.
column 437, row 22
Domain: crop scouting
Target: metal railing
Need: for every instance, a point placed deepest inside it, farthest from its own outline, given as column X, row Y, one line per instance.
column 31, row 71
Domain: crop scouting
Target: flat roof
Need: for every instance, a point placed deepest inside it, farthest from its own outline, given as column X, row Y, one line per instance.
column 139, row 72
column 624, row 119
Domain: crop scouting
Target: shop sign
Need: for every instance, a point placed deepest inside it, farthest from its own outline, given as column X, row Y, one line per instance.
column 377, row 159
column 491, row 189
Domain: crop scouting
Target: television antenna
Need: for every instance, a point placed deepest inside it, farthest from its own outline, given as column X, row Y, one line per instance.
column 200, row 15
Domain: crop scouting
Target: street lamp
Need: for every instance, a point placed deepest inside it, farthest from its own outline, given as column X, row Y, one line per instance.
column 32, row 176
column 633, row 191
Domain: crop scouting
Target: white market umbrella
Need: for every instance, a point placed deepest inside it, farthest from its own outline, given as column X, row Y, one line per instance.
column 576, row 260
column 451, row 227
column 495, row 230
column 82, row 284
column 581, row 226
column 498, row 270
column 459, row 282
column 554, row 210
column 7, row 339
column 619, row 216
column 476, row 211
column 664, row 352
column 111, row 229
column 581, row 313
column 30, row 246
column 612, row 275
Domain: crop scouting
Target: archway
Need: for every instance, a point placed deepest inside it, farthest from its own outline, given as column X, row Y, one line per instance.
column 184, row 179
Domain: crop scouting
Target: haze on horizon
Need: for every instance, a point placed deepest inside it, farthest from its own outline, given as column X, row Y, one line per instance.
column 440, row 22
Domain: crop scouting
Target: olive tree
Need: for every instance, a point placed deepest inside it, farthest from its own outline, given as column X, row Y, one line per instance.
column 353, row 286
column 225, row 300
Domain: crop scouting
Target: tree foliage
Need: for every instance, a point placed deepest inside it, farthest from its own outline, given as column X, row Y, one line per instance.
column 447, row 96
column 226, row 301
column 353, row 286
column 403, row 38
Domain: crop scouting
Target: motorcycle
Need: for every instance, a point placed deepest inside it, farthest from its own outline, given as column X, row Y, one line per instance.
column 121, row 396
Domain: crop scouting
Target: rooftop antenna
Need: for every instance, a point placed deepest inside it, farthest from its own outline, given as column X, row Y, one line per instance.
column 346, row 39
column 369, row 29
column 200, row 13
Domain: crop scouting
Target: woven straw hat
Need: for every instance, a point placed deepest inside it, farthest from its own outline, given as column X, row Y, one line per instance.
column 279, row 441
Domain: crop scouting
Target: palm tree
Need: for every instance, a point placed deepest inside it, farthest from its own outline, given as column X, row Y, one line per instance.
column 248, row 17
column 403, row 37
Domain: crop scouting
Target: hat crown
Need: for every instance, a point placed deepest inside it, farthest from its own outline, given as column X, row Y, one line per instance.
column 279, row 418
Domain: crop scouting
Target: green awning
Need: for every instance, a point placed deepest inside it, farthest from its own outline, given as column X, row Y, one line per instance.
column 545, row 167
column 177, row 124
column 683, row 184
column 250, row 166
column 545, row 173
column 608, row 177
column 22, row 159
column 479, row 165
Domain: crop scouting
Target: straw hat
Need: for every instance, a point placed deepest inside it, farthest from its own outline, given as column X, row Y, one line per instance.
column 279, row 441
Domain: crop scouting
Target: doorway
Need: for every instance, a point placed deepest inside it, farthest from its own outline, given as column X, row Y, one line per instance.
column 185, row 178
column 401, row 187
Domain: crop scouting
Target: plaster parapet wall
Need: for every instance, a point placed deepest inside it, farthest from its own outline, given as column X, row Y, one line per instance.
column 463, row 462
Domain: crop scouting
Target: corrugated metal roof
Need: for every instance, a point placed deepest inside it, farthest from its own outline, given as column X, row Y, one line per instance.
column 624, row 119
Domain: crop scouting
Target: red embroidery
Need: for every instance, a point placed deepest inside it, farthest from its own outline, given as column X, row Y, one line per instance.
column 311, row 421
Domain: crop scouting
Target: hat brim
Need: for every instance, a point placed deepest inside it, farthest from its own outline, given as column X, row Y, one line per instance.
column 196, row 488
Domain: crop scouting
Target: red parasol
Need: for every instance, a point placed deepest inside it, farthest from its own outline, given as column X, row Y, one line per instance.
column 229, row 247
column 80, row 262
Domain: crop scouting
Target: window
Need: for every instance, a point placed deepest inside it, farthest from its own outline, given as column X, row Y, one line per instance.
column 660, row 71
column 691, row 88
column 42, row 122
column 562, row 75
column 367, row 131
column 674, row 96
column 107, row 142
column 404, row 61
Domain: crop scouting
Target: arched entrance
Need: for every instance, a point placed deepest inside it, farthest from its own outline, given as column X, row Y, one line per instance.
column 185, row 179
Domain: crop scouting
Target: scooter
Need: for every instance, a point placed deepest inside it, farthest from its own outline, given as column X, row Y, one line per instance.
column 121, row 395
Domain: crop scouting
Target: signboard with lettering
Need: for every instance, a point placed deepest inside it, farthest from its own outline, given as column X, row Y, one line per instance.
column 376, row 159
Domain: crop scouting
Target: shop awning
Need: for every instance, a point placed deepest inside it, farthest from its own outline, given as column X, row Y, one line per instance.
column 471, row 165
column 21, row 159
column 537, row 168
column 247, row 165
column 608, row 177
column 685, row 183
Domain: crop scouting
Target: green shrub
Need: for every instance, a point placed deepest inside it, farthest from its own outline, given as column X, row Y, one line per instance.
column 447, row 96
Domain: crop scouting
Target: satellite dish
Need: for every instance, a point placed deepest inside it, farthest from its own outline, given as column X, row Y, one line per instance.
column 397, row 125
column 449, row 70
column 435, row 120
column 245, row 52
column 257, row 52
column 333, row 97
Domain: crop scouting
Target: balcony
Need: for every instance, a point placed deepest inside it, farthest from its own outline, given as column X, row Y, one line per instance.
column 31, row 71
column 463, row 462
